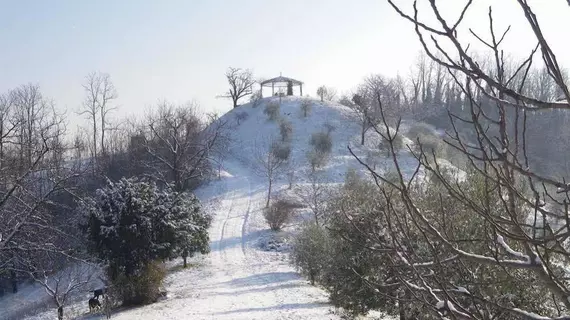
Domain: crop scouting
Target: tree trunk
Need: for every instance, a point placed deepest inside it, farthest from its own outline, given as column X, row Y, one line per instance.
column 402, row 312
column 1, row 143
column 235, row 102
column 401, row 307
column 268, row 194
column 363, row 132
column 94, row 143
column 103, row 131
column 185, row 257
column 60, row 313
column 14, row 281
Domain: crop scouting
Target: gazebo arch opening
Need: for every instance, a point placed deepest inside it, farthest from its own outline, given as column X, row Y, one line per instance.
column 282, row 83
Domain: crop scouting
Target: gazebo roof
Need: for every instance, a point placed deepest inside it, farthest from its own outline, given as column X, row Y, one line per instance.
column 281, row 79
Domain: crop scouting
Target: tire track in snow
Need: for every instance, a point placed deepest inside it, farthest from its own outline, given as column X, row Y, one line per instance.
column 250, row 258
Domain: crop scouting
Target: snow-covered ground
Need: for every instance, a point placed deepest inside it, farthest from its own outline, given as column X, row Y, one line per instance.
column 238, row 279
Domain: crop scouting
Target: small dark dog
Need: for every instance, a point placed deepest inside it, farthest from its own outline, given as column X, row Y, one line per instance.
column 94, row 304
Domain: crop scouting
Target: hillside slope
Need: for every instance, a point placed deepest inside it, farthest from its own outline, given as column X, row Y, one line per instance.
column 254, row 133
column 242, row 277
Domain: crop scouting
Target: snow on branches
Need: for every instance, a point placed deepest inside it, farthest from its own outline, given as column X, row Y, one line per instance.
column 131, row 223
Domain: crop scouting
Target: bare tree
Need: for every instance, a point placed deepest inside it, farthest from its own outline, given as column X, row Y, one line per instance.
column 179, row 145
column 108, row 93
column 7, row 127
column 267, row 164
column 34, row 180
column 363, row 113
column 326, row 93
column 291, row 171
column 61, row 284
column 315, row 195
column 220, row 148
column 99, row 93
column 495, row 244
column 306, row 106
column 330, row 94
column 37, row 121
column 241, row 83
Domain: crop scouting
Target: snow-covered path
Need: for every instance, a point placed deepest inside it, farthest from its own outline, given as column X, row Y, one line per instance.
column 239, row 281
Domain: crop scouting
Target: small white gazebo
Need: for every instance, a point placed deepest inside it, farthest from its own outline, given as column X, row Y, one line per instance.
column 280, row 83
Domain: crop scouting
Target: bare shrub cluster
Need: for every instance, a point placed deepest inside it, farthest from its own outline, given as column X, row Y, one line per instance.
column 279, row 213
column 272, row 111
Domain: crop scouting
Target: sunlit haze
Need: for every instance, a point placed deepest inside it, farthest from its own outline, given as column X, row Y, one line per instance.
column 179, row 50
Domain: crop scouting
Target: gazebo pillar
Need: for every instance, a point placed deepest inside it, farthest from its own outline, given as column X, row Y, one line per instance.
column 301, row 87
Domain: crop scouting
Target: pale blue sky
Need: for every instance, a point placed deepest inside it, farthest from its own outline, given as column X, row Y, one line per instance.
column 179, row 49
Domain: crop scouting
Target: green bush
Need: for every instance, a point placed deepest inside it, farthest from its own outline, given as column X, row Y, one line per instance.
column 310, row 251
column 359, row 212
column 130, row 224
column 142, row 288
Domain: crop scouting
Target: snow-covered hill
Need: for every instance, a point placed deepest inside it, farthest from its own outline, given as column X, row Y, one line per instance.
column 255, row 131
column 240, row 278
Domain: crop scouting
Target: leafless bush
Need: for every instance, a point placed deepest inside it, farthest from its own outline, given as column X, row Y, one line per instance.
column 278, row 214
column 430, row 144
column 315, row 195
column 306, row 107
column 241, row 116
column 291, row 171
column 285, row 129
column 373, row 157
column 266, row 164
column 281, row 151
column 421, row 129
column 272, row 110
column 321, row 142
column 326, row 93
column 397, row 142
column 317, row 159
column 329, row 128
column 255, row 99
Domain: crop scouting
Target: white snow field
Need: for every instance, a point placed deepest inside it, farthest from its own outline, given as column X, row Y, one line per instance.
column 238, row 279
